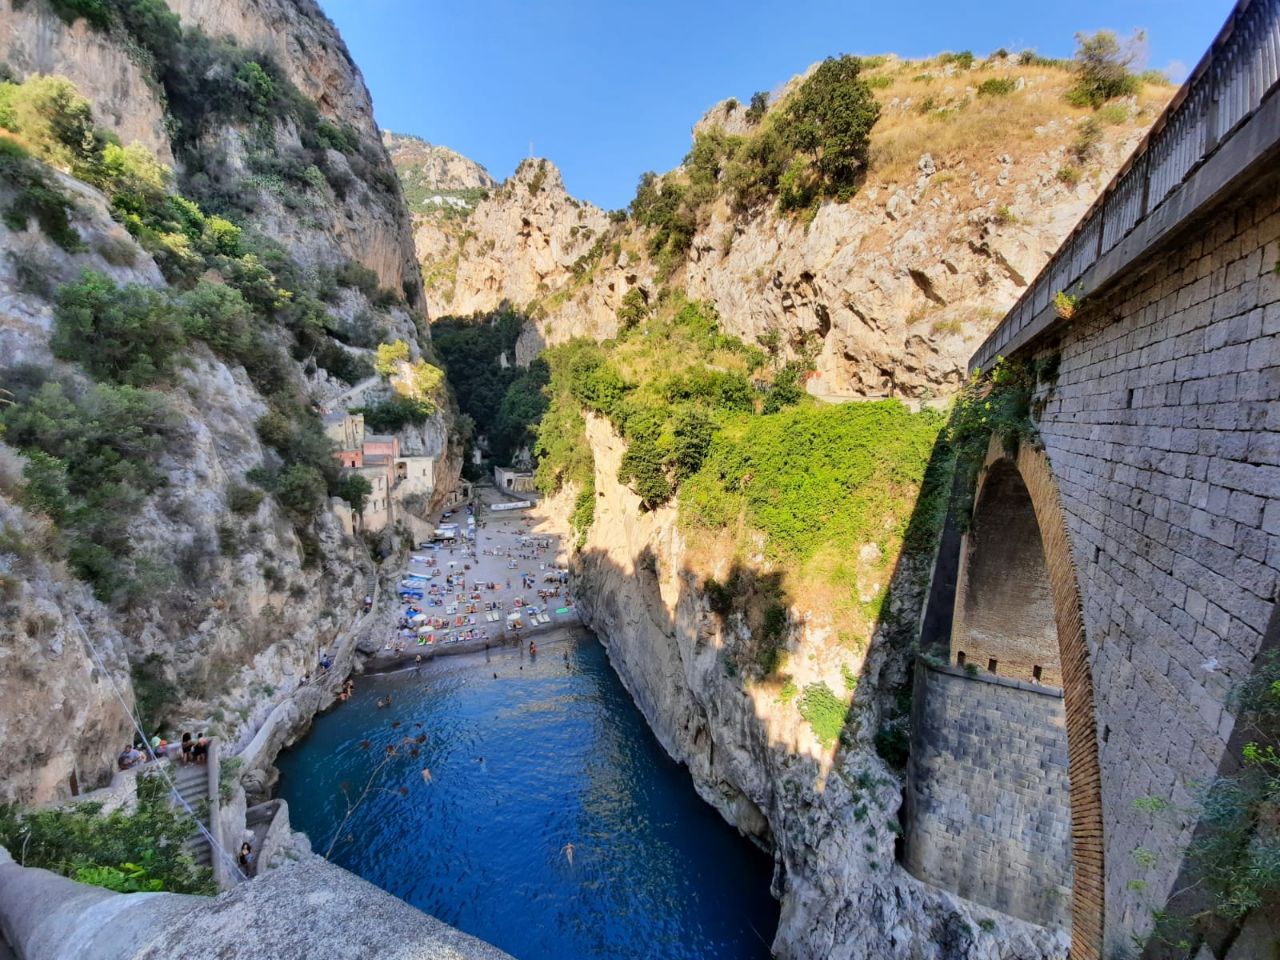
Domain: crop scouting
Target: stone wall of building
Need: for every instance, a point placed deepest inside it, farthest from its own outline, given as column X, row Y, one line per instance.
column 1163, row 431
column 988, row 805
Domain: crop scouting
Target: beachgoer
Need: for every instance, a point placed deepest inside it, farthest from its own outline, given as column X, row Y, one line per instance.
column 186, row 747
column 130, row 756
column 200, row 749
column 246, row 856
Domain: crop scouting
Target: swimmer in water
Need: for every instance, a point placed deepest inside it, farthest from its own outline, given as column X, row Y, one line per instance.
column 567, row 850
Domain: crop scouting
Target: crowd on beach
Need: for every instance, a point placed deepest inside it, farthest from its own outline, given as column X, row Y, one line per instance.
column 456, row 591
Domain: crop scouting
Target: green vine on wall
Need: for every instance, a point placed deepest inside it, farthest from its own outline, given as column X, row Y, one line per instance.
column 995, row 402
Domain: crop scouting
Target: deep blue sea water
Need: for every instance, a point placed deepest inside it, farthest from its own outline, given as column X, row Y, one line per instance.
column 552, row 752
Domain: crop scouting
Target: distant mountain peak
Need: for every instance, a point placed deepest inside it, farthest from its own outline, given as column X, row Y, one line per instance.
column 434, row 177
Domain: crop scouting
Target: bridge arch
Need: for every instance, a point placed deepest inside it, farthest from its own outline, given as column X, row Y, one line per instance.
column 1018, row 599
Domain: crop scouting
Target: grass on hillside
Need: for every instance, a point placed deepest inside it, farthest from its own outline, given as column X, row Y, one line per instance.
column 926, row 111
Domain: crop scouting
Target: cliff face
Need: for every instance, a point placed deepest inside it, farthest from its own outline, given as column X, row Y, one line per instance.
column 244, row 599
column 752, row 755
column 36, row 40
column 369, row 225
column 965, row 199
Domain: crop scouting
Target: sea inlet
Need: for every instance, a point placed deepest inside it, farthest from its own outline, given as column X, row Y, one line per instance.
column 527, row 803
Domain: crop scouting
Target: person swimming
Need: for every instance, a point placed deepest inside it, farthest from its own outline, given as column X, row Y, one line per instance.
column 567, row 850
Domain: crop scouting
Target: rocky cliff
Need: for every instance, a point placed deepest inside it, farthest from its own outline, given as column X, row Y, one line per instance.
column 232, row 594
column 976, row 173
column 436, row 170
column 442, row 189
column 826, row 816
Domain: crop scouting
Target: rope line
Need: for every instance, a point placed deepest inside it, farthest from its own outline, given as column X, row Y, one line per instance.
column 214, row 845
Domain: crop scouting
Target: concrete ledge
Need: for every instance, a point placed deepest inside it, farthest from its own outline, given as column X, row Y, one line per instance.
column 310, row 910
column 983, row 676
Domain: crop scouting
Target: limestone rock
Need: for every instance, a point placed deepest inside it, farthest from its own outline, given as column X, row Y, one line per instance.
column 436, row 167
column 891, row 291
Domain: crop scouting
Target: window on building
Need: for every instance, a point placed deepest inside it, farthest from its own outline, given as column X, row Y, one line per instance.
column 960, row 659
column 991, row 665
column 1036, row 674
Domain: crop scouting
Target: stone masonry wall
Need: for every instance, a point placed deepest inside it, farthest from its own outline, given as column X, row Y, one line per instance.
column 1004, row 608
column 1163, row 432
column 988, row 806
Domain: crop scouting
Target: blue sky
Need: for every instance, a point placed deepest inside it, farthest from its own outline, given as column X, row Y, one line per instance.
column 609, row 89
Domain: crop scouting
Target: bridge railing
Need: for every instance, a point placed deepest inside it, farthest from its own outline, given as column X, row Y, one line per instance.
column 1230, row 83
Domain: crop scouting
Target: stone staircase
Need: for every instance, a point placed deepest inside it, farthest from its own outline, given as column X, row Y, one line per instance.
column 192, row 783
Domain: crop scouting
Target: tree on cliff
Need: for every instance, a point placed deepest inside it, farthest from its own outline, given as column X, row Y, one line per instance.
column 830, row 119
column 1102, row 65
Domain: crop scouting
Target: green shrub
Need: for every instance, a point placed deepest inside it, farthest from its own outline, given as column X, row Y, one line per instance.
column 786, row 389
column 152, row 25
column 1088, row 136
column 92, row 459
column 147, row 844
column 1070, row 175
column 390, row 356
column 395, row 413
column 36, row 197
column 830, row 117
column 634, row 309
column 809, row 476
column 241, row 499
column 997, row 87
column 893, row 744
column 1102, row 69
column 301, row 488
column 1112, row 113
column 539, row 178
column 759, row 106
column 128, row 335
column 220, row 316
column 962, row 60
column 824, row 712
column 584, row 511
column 718, row 389
column 660, row 204
column 643, row 469
column 691, row 430
column 354, row 489
column 95, row 11
column 53, row 119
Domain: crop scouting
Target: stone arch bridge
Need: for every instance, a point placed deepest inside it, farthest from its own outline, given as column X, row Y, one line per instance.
column 1117, row 579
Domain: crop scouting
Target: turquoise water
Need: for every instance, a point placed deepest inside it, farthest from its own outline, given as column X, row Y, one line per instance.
column 550, row 753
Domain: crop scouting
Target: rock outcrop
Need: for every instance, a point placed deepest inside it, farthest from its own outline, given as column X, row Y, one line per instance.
column 36, row 40
column 888, row 293
column 368, row 225
column 433, row 167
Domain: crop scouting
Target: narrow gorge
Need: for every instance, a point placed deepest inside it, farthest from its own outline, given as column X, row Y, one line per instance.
column 909, row 448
